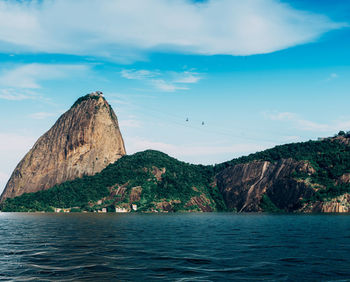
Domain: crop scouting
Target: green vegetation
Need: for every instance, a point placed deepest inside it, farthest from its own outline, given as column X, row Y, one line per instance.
column 84, row 98
column 163, row 180
column 330, row 158
column 268, row 206
column 166, row 184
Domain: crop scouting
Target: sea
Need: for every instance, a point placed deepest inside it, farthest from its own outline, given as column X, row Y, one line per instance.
column 174, row 247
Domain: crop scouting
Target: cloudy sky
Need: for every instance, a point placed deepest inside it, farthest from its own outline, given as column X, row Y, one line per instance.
column 257, row 72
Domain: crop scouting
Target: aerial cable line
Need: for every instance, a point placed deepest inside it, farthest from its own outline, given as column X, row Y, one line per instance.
column 191, row 120
column 232, row 135
column 211, row 131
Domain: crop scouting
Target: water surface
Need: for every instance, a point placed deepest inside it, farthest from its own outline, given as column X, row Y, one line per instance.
column 174, row 247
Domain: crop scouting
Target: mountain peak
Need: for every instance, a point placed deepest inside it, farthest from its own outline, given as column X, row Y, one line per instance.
column 97, row 95
column 83, row 141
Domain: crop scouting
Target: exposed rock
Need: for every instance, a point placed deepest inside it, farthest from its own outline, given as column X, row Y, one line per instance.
column 339, row 204
column 201, row 201
column 117, row 193
column 342, row 139
column 83, row 141
column 166, row 206
column 344, row 179
column 243, row 185
column 135, row 194
column 158, row 172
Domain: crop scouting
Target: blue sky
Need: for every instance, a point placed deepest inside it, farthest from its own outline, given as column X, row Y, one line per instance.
column 257, row 72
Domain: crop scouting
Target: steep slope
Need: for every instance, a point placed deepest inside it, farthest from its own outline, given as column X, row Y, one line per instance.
column 244, row 185
column 308, row 177
column 83, row 141
column 151, row 180
column 312, row 176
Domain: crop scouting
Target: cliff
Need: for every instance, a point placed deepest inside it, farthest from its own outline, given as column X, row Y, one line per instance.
column 244, row 185
column 311, row 176
column 83, row 141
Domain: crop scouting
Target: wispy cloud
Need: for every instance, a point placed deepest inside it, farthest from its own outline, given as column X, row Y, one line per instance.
column 187, row 77
column 332, row 76
column 17, row 94
column 136, row 144
column 123, row 30
column 166, row 86
column 4, row 177
column 291, row 138
column 42, row 115
column 13, row 146
column 23, row 82
column 300, row 123
column 138, row 74
column 164, row 81
column 29, row 75
column 129, row 123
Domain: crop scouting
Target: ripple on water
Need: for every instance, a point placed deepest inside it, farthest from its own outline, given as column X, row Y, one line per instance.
column 184, row 247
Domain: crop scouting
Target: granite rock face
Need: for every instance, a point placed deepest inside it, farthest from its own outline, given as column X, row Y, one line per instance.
column 340, row 204
column 243, row 185
column 83, row 141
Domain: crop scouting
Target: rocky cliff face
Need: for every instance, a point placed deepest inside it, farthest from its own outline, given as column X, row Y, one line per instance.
column 83, row 141
column 243, row 185
column 339, row 204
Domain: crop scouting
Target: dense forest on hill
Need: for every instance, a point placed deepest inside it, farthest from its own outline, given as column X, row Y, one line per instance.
column 177, row 182
column 162, row 183
column 330, row 157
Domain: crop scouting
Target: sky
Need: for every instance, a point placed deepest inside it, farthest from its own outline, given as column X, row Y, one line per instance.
column 257, row 73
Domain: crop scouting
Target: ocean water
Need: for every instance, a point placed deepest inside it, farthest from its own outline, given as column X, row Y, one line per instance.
column 174, row 247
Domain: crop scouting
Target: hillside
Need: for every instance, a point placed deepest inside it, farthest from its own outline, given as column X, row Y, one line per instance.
column 311, row 176
column 151, row 180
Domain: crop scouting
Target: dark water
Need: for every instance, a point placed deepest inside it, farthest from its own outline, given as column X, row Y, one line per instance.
column 179, row 247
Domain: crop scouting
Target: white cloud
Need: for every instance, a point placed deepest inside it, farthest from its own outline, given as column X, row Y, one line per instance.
column 11, row 142
column 163, row 81
column 129, row 123
column 280, row 116
column 41, row 115
column 297, row 121
column 12, row 149
column 125, row 29
column 17, row 94
column 332, row 76
column 23, row 82
column 163, row 85
column 29, row 75
column 136, row 144
column 187, row 77
column 119, row 102
column 291, row 138
column 4, row 177
column 137, row 74
column 303, row 124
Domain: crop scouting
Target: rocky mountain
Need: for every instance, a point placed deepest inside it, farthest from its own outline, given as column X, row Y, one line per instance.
column 83, row 141
column 310, row 176
column 81, row 159
column 148, row 181
column 244, row 185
